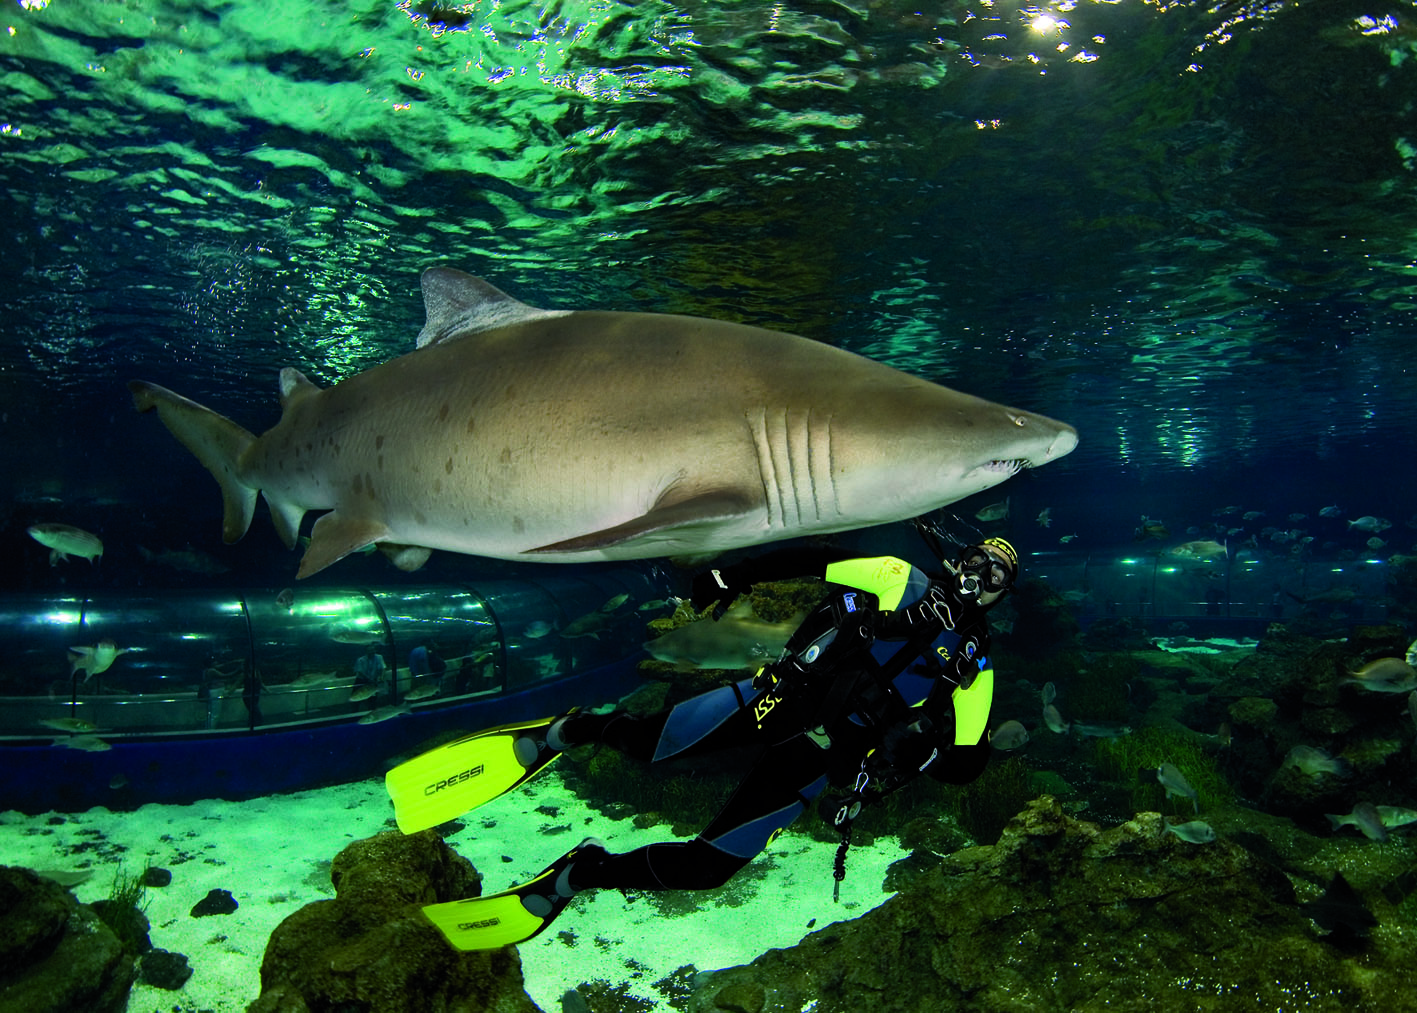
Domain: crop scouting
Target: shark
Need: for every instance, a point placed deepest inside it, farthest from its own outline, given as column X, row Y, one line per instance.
column 561, row 436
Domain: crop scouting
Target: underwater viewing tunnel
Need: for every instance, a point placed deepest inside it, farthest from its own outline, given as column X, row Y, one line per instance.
column 284, row 689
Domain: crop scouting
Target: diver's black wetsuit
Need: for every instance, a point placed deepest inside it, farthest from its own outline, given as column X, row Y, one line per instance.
column 842, row 690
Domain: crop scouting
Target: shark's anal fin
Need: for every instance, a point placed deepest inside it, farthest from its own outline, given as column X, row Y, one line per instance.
column 335, row 537
column 712, row 506
column 216, row 441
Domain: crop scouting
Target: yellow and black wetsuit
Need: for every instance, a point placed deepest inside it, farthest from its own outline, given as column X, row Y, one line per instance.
column 817, row 721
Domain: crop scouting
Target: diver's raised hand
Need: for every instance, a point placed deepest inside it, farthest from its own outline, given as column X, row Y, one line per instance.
column 719, row 587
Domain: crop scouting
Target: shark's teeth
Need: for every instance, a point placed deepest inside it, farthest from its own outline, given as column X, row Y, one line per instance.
column 1011, row 465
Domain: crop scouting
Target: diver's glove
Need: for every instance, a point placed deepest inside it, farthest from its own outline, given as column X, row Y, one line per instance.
column 934, row 606
column 720, row 587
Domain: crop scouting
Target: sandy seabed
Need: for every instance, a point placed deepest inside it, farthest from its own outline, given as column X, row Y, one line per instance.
column 273, row 854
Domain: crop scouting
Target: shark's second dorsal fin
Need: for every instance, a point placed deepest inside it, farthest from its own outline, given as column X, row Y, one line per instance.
column 293, row 386
column 458, row 304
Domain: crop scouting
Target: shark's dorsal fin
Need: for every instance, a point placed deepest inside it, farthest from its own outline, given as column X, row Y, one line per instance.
column 458, row 304
column 294, row 385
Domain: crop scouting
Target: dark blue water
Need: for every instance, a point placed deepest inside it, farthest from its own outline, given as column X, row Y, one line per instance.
column 1190, row 231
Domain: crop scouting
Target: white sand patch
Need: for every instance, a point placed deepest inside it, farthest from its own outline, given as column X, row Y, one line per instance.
column 273, row 855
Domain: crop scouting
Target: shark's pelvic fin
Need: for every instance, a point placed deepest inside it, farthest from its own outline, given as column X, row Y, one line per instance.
column 286, row 516
column 214, row 440
column 458, row 304
column 335, row 537
column 675, row 510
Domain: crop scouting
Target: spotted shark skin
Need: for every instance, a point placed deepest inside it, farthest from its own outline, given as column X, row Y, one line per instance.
column 566, row 436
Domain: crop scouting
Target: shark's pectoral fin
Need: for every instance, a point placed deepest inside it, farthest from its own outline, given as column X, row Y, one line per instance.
column 406, row 557
column 672, row 518
column 335, row 537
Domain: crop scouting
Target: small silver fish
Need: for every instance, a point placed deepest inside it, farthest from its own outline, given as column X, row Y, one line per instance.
column 615, row 602
column 69, row 724
column 86, row 743
column 357, row 635
column 1312, row 761
column 1396, row 816
column 1009, row 735
column 361, row 693
column 1385, row 675
column 1196, row 831
column 994, row 511
column 659, row 603
column 1065, row 539
column 1045, row 517
column 538, row 629
column 1330, row 511
column 1175, row 783
column 286, row 599
column 422, row 692
column 93, row 660
column 1365, row 817
column 1100, row 731
column 1053, row 718
column 64, row 541
column 1370, row 524
column 385, row 713
column 1049, row 693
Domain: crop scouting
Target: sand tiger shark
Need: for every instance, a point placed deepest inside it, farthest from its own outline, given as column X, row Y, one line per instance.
column 567, row 436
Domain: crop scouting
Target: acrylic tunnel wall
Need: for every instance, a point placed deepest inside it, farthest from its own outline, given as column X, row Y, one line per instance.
column 219, row 660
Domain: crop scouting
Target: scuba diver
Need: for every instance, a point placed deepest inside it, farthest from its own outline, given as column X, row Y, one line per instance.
column 887, row 679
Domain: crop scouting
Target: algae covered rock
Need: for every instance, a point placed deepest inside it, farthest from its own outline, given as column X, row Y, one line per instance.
column 371, row 949
column 1063, row 915
column 56, row 955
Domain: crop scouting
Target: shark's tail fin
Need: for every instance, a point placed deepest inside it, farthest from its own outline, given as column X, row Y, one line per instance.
column 215, row 440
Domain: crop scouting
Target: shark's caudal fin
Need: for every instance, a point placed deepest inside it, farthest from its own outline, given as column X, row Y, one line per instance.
column 215, row 440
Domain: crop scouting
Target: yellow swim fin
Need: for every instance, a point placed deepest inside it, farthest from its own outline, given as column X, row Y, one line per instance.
column 512, row 916
column 446, row 782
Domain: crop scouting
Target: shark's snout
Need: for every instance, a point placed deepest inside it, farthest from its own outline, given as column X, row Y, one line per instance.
column 1062, row 444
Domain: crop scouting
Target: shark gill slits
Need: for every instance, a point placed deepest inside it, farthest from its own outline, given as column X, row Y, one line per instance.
column 369, row 485
column 449, row 466
column 378, row 443
column 443, row 413
column 470, row 423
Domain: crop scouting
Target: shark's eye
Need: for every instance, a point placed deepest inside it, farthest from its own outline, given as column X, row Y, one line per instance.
column 1020, row 420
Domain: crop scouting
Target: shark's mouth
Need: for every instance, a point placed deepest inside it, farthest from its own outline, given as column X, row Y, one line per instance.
column 1008, row 466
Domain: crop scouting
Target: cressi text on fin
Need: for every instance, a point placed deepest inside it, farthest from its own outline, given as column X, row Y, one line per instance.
column 512, row 916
